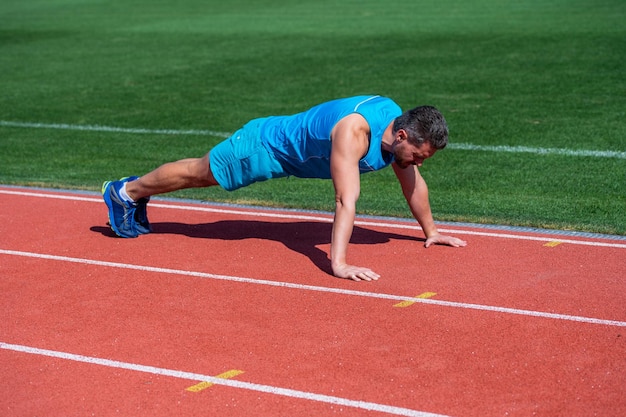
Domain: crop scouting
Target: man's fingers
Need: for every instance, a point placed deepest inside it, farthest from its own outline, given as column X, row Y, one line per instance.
column 355, row 273
column 445, row 240
column 365, row 276
column 369, row 275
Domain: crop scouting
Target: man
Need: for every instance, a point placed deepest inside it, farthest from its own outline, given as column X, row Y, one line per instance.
column 340, row 140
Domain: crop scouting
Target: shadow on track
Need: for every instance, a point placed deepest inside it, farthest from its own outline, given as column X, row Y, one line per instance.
column 301, row 237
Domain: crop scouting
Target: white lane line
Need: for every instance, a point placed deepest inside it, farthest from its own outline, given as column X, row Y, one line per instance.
column 327, row 219
column 113, row 129
column 458, row 146
column 366, row 294
column 538, row 151
column 388, row 225
column 54, row 196
column 285, row 392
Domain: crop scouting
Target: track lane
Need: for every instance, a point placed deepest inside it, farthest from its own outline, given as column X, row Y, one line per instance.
column 424, row 357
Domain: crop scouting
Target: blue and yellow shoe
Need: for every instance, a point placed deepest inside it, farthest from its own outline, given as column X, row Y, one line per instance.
column 121, row 213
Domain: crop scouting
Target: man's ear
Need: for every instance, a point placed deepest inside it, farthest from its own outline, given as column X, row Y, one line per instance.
column 401, row 135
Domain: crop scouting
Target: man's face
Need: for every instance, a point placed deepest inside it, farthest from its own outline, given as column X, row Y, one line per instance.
column 406, row 153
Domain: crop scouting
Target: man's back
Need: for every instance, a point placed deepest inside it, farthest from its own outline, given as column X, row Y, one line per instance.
column 302, row 142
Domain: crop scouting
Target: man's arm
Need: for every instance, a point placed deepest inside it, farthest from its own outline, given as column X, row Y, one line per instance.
column 350, row 142
column 415, row 191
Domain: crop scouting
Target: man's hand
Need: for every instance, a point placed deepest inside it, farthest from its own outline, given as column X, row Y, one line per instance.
column 354, row 273
column 444, row 240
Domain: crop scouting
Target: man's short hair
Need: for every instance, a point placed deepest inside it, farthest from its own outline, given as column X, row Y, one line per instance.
column 424, row 124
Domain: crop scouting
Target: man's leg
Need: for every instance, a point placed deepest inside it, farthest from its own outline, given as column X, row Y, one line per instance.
column 127, row 198
column 172, row 176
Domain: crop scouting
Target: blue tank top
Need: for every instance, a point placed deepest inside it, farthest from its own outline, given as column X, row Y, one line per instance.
column 301, row 142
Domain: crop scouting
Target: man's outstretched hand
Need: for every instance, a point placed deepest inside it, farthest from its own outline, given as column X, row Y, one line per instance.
column 355, row 273
column 445, row 240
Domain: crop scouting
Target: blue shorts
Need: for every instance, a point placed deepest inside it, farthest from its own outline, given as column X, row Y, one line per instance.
column 242, row 159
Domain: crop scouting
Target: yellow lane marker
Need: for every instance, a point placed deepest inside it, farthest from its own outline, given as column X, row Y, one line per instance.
column 204, row 385
column 552, row 244
column 408, row 303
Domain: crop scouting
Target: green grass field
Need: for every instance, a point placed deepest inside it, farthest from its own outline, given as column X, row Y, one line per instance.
column 530, row 73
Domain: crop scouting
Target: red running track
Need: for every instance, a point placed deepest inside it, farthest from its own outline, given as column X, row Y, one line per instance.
column 514, row 324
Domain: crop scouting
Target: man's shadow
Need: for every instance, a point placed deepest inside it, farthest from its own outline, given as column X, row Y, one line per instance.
column 302, row 236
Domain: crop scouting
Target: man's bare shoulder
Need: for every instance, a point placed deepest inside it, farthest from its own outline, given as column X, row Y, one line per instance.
column 353, row 126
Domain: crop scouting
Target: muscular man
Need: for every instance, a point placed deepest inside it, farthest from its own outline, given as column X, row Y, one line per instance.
column 338, row 140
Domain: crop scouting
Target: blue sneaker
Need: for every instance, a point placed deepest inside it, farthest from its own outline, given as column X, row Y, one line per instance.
column 141, row 216
column 142, row 224
column 121, row 213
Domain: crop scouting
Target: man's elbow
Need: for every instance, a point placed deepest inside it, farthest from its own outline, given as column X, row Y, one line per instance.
column 343, row 203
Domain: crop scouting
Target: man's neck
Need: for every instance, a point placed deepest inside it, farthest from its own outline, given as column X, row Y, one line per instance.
column 388, row 138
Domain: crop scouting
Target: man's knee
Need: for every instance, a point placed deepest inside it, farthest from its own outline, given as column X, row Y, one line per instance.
column 203, row 173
